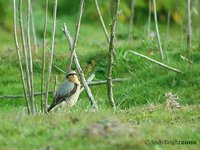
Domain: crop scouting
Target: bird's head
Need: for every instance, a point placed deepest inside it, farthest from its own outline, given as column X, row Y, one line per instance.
column 72, row 77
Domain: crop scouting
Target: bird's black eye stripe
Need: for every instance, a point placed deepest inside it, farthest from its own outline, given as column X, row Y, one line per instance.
column 70, row 74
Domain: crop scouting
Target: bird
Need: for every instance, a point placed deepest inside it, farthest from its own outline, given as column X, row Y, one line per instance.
column 67, row 93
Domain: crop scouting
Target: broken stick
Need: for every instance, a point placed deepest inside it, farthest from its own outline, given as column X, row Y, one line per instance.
column 155, row 61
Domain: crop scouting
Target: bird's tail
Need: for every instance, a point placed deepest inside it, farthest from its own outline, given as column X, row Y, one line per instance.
column 51, row 106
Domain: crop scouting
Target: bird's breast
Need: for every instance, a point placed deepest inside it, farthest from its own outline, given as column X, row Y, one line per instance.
column 71, row 101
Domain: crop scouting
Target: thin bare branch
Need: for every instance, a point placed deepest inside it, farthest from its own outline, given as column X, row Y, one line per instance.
column 131, row 22
column 19, row 57
column 110, row 55
column 182, row 31
column 68, row 36
column 94, row 83
column 199, row 32
column 168, row 25
column 24, row 51
column 80, row 71
column 149, row 19
column 108, row 5
column 157, row 31
column 76, row 34
column 51, row 57
column 61, row 70
column 91, row 77
column 32, row 102
column 181, row 27
column 103, row 24
column 43, row 58
column 189, row 30
column 185, row 59
column 154, row 61
column 55, row 85
column 22, row 96
column 33, row 31
column 101, row 21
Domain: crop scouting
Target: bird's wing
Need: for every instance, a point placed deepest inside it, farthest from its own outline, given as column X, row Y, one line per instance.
column 66, row 90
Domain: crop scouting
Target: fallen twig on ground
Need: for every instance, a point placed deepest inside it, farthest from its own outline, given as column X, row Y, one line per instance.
column 154, row 61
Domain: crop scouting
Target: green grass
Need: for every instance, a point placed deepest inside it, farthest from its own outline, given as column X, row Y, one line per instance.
column 140, row 114
column 105, row 129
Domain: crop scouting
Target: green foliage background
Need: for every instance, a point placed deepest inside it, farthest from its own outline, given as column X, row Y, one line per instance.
column 70, row 8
